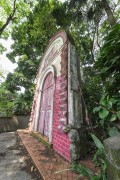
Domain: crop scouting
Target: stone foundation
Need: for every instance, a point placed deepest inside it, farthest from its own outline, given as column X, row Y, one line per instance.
column 112, row 150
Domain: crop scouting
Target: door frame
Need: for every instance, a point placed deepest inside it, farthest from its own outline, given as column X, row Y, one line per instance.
column 41, row 82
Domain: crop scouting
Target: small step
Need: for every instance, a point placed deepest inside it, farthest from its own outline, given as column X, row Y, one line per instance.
column 42, row 139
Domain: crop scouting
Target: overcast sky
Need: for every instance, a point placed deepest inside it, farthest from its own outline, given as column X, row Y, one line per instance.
column 5, row 63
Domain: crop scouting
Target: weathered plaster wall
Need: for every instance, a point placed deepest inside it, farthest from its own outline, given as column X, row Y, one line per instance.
column 13, row 123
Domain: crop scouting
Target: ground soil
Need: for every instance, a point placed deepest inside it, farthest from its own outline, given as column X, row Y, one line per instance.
column 15, row 162
column 30, row 168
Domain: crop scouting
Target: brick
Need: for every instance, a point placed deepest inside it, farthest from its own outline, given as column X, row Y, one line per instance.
column 63, row 84
column 63, row 108
column 64, row 72
column 60, row 103
column 63, row 113
column 64, row 95
column 64, row 67
column 64, row 105
column 63, row 63
column 63, row 77
column 63, row 81
column 63, row 89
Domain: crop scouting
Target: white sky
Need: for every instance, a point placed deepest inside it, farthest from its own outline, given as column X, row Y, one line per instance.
column 5, row 64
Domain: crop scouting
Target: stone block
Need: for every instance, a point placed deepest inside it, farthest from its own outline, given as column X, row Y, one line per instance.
column 112, row 151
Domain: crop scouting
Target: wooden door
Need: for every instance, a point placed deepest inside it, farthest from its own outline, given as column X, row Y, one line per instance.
column 46, row 105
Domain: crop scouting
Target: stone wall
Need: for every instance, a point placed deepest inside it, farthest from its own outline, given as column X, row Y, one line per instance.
column 13, row 123
column 112, row 151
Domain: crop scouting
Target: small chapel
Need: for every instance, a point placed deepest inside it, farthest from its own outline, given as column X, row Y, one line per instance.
column 57, row 105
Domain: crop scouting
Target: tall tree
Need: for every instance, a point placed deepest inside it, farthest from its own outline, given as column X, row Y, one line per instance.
column 9, row 18
column 30, row 39
column 108, row 10
column 94, row 8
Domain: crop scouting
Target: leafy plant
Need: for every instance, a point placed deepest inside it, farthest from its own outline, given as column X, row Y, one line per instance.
column 22, row 104
column 108, row 61
column 99, row 157
column 6, row 102
column 108, row 64
column 84, row 171
column 109, row 112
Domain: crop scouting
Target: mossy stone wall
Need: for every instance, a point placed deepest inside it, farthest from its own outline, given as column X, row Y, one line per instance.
column 112, row 150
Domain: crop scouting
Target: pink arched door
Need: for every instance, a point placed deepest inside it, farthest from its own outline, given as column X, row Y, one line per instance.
column 45, row 114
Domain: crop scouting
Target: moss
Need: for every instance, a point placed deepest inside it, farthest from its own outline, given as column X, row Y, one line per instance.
column 112, row 151
column 116, row 157
column 41, row 140
column 113, row 172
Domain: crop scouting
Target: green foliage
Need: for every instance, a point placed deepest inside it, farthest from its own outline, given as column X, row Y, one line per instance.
column 12, row 12
column 22, row 104
column 108, row 111
column 99, row 157
column 5, row 8
column 113, row 131
column 108, row 62
column 2, row 48
column 92, row 89
column 82, row 170
column 97, row 142
column 6, row 102
column 30, row 36
column 63, row 18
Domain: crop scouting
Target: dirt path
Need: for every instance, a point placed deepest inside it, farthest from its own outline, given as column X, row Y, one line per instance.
column 13, row 164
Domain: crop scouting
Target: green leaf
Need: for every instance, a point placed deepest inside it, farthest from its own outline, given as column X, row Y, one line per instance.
column 95, row 178
column 113, row 100
column 106, row 103
column 115, row 59
column 82, row 170
column 113, row 118
column 113, row 131
column 97, row 142
column 109, row 104
column 118, row 114
column 96, row 109
column 103, row 113
column 102, row 122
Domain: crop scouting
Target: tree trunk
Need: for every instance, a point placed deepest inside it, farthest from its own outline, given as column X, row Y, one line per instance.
column 109, row 12
column 10, row 18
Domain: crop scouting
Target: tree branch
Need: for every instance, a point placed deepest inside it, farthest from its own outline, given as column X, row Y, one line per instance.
column 110, row 15
column 10, row 17
column 98, row 37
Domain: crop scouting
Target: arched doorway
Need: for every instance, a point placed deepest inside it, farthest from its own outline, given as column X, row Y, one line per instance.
column 46, row 110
